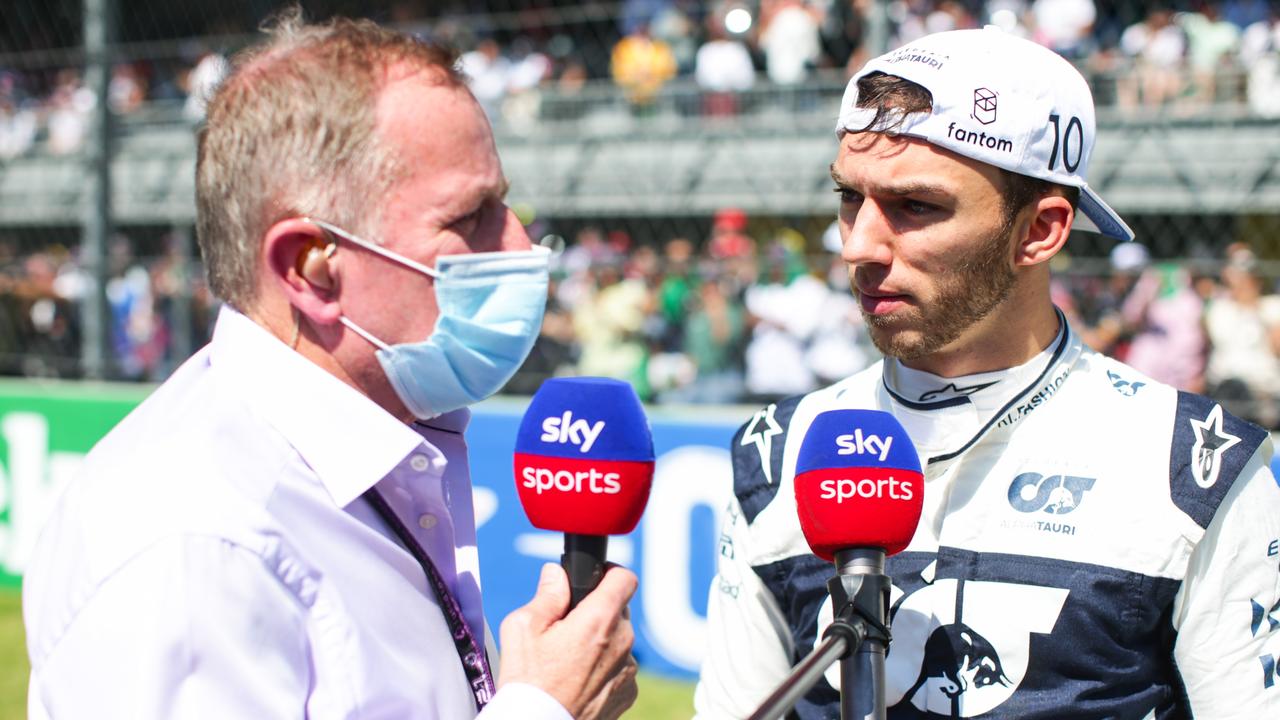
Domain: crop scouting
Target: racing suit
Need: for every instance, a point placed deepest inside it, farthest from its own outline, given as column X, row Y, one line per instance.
column 1093, row 544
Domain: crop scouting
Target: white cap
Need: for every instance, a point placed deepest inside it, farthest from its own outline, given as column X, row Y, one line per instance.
column 1000, row 100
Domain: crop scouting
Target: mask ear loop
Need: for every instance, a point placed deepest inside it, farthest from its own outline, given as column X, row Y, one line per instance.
column 374, row 248
column 363, row 333
column 297, row 328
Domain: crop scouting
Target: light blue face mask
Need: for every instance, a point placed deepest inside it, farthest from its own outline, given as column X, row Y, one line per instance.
column 491, row 307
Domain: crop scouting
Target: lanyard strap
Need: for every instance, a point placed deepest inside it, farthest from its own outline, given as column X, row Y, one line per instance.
column 474, row 660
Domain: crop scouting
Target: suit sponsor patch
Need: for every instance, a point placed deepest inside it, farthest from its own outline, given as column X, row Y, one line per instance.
column 1210, row 447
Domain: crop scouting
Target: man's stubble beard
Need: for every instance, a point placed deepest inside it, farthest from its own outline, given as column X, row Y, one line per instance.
column 970, row 291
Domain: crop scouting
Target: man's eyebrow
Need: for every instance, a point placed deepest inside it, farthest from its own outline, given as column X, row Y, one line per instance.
column 901, row 189
column 914, row 188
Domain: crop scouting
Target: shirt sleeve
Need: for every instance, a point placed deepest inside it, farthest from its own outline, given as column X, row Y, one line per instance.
column 194, row 627
column 1227, row 612
column 748, row 644
column 523, row 701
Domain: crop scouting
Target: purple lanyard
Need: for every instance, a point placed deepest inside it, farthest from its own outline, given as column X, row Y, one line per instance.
column 474, row 660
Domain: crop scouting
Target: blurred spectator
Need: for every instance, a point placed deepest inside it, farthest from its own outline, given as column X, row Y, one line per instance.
column 50, row 346
column 784, row 310
column 639, row 14
column 728, row 235
column 588, row 248
column 1065, row 26
column 1243, row 13
column 554, row 353
column 1164, row 315
column 722, row 69
column 840, row 346
column 132, row 307
column 1260, row 53
column 201, row 81
column 127, row 89
column 714, row 340
column 641, row 65
column 529, row 68
column 841, row 33
column 18, row 125
column 676, row 292
column 1101, row 322
column 1212, row 42
column 949, row 15
column 1244, row 331
column 674, row 26
column 1012, row 16
column 1156, row 46
column 609, row 322
column 789, row 39
column 911, row 17
column 490, row 74
column 68, row 115
column 572, row 78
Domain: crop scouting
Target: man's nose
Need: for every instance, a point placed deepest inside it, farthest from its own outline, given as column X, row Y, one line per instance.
column 867, row 235
column 514, row 236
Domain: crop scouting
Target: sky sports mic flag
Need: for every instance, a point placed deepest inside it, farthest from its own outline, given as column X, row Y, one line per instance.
column 858, row 483
column 584, row 466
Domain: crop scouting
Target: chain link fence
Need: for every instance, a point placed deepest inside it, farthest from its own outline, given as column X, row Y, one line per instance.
column 677, row 151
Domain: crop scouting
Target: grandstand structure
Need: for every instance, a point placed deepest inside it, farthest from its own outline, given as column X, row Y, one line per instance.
column 591, row 156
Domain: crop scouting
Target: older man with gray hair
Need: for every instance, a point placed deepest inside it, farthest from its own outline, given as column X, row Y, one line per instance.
column 285, row 528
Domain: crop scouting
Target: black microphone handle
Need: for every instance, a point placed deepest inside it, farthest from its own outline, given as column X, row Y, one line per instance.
column 583, row 560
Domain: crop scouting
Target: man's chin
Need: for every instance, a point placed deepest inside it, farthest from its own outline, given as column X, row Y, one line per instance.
column 894, row 340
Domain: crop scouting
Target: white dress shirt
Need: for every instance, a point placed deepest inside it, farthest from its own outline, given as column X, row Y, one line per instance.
column 215, row 558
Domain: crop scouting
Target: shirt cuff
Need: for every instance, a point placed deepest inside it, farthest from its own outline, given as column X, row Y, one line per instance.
column 521, row 700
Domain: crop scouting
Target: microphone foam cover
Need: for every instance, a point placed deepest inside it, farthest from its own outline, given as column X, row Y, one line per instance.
column 584, row 457
column 858, row 483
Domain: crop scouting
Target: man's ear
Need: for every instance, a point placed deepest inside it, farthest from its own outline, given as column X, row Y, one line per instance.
column 1047, row 230
column 300, row 260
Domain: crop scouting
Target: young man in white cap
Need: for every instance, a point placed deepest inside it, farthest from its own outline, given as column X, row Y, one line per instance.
column 1093, row 544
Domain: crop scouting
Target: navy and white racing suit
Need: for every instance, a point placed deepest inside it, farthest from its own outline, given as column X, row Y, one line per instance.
column 1093, row 545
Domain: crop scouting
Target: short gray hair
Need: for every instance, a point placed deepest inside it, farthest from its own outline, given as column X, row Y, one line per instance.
column 291, row 132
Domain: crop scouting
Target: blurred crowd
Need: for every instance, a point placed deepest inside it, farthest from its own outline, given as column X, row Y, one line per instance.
column 1209, row 326
column 1181, row 54
column 51, row 111
column 722, row 320
column 1177, row 53
column 737, row 316
column 42, row 297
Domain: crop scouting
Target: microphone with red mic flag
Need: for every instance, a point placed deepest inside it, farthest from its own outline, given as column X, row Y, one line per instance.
column 859, row 493
column 584, row 466
column 858, row 483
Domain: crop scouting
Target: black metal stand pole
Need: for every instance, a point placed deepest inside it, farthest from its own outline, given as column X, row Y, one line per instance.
column 858, row 637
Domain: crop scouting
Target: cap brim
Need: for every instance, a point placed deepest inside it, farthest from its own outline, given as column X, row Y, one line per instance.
column 1096, row 216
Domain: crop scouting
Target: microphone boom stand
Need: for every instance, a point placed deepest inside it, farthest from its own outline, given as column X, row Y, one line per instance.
column 858, row 637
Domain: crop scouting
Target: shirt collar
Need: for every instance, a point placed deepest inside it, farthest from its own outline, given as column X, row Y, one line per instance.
column 348, row 440
column 454, row 421
column 920, row 390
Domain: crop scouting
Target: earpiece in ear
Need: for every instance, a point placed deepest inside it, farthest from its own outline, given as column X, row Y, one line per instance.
column 313, row 265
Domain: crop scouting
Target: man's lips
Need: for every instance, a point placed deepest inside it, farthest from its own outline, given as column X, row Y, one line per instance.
column 879, row 302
